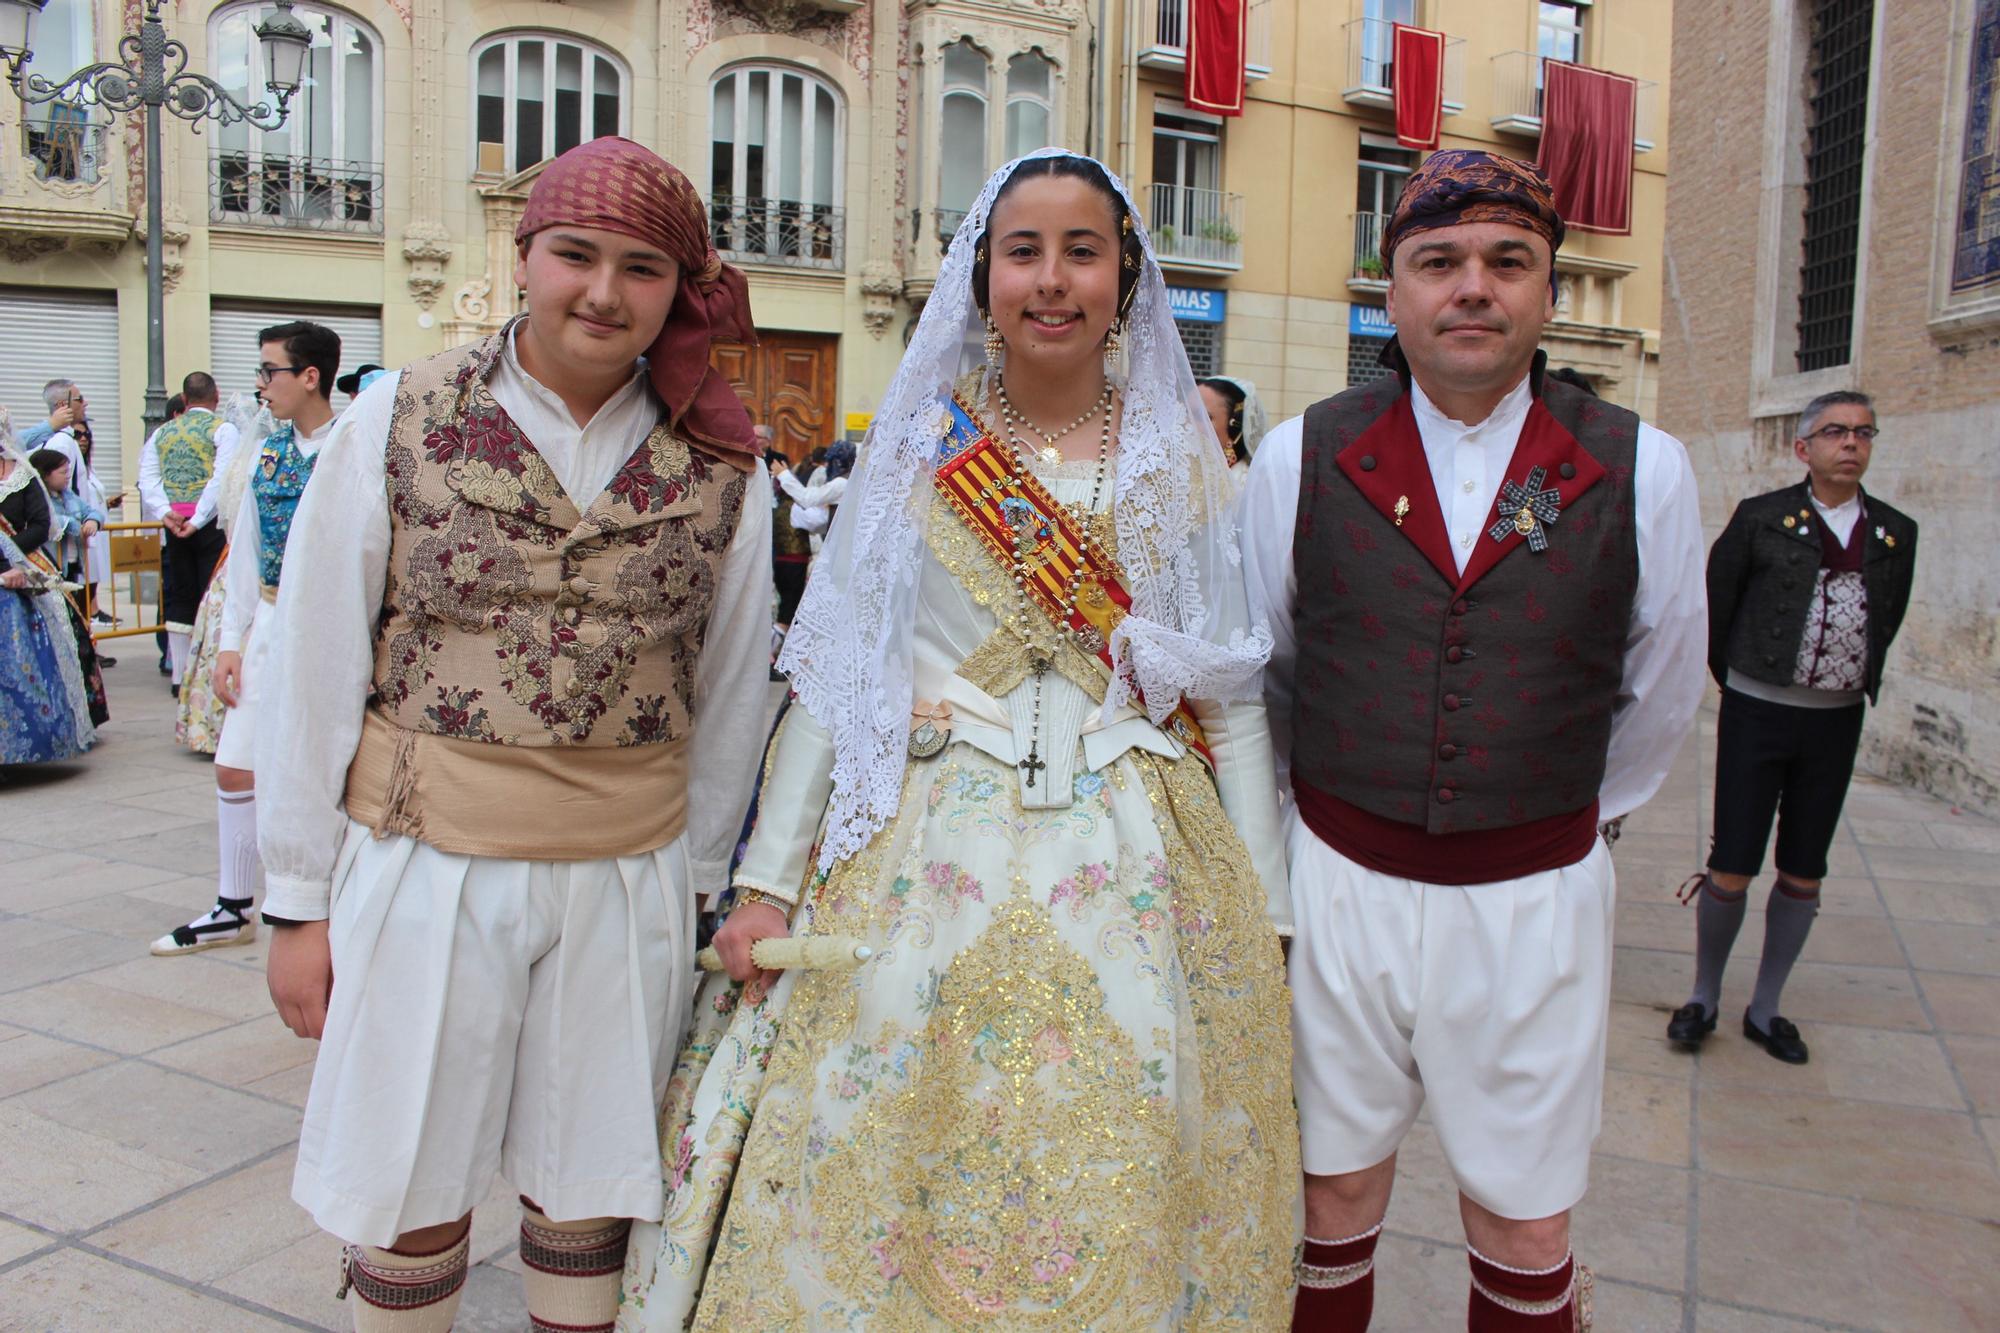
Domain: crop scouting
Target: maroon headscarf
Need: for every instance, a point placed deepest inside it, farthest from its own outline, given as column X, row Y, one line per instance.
column 617, row 185
column 1467, row 185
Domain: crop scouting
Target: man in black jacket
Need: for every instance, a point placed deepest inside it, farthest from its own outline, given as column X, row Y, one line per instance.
column 1806, row 588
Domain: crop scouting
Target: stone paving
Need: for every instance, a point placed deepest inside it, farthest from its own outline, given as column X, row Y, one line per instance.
column 149, row 1107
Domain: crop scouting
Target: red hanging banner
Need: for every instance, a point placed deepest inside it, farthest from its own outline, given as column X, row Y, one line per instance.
column 1588, row 123
column 1217, row 41
column 1417, row 81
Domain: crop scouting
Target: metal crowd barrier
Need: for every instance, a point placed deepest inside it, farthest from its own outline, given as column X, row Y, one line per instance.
column 135, row 550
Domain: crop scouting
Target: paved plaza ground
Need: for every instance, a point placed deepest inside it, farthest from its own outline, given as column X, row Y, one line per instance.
column 149, row 1108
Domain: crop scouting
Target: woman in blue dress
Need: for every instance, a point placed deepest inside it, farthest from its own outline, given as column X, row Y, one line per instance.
column 44, row 711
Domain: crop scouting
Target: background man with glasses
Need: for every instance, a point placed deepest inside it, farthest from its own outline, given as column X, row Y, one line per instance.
column 1806, row 588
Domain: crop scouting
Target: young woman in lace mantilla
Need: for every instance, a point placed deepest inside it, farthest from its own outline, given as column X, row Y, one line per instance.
column 1030, row 771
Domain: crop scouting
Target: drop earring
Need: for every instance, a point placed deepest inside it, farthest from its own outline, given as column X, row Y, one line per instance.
column 996, row 346
column 1111, row 345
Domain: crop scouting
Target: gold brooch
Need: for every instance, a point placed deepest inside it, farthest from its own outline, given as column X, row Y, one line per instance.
column 1402, row 509
column 1791, row 522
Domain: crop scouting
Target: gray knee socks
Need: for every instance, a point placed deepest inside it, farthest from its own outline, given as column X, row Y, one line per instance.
column 1788, row 918
column 1717, row 917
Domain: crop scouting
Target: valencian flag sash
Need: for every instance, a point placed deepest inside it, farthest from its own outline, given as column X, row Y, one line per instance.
column 996, row 499
column 1217, row 43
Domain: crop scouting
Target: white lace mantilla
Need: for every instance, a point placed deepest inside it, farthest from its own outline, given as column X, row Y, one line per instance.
column 849, row 650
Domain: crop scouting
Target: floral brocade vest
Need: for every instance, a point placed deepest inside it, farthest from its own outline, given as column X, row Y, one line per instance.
column 512, row 617
column 282, row 473
column 186, row 448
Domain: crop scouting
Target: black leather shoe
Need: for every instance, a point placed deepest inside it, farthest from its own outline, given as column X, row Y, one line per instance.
column 1689, row 1025
column 1782, row 1041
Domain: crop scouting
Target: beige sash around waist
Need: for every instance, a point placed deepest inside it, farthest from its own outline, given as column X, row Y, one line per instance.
column 517, row 802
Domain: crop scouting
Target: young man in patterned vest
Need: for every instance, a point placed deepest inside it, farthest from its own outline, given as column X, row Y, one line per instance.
column 1806, row 589
column 524, row 634
column 1485, row 591
column 296, row 365
column 176, row 469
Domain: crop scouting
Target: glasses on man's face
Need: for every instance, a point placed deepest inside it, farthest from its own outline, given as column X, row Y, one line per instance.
column 265, row 374
column 1834, row 433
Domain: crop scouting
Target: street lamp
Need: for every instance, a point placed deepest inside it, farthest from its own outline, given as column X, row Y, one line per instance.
column 150, row 74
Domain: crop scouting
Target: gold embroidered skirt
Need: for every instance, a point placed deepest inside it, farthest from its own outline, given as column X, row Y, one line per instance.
column 1057, row 1098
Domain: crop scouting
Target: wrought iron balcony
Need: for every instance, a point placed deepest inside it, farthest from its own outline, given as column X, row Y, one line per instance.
column 306, row 193
column 65, row 146
column 1369, row 273
column 1163, row 36
column 778, row 231
column 1371, row 65
column 1517, row 100
column 1196, row 228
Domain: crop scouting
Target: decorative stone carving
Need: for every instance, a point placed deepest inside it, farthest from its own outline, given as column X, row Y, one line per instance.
column 881, row 284
column 18, row 248
column 174, row 236
column 427, row 247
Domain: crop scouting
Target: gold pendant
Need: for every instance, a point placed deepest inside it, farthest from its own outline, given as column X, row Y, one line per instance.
column 1524, row 522
column 1050, row 456
column 927, row 740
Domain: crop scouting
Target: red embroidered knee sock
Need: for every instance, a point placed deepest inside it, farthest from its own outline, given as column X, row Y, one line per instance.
column 1515, row 1300
column 405, row 1293
column 572, row 1271
column 1337, row 1284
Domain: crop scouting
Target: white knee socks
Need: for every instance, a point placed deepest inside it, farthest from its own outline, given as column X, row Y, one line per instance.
column 177, row 653
column 405, row 1293
column 236, row 829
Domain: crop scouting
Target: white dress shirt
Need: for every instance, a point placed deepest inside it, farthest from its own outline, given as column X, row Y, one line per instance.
column 337, row 561
column 242, row 591
column 153, row 493
column 1665, row 647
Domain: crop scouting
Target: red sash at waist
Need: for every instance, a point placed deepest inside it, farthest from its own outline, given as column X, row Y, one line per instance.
column 1480, row 856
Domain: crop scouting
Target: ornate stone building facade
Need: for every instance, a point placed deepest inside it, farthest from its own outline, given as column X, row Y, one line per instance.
column 839, row 142
column 387, row 204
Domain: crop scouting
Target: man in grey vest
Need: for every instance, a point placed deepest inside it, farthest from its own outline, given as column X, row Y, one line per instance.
column 1485, row 590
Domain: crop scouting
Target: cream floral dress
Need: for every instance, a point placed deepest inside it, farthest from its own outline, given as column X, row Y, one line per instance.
column 1059, row 1095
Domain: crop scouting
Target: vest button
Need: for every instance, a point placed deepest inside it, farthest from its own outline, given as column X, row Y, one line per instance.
column 1367, row 462
column 1451, row 703
column 1567, row 470
column 1446, row 796
column 1447, row 751
column 1460, row 607
column 1453, row 653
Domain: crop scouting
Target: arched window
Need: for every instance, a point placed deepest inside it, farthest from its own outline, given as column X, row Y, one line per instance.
column 64, row 140
column 1030, row 103
column 962, row 132
column 774, row 166
column 322, row 168
column 537, row 96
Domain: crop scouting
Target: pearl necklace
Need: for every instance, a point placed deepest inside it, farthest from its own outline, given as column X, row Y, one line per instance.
column 1049, row 453
column 1025, row 540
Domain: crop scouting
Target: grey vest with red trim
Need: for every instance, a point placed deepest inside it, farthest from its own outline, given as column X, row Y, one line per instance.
column 1471, row 702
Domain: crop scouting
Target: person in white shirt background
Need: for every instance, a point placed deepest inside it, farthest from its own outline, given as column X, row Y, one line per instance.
column 177, row 471
column 296, row 366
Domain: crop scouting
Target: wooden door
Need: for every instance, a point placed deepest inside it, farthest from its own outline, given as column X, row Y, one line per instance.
column 787, row 381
